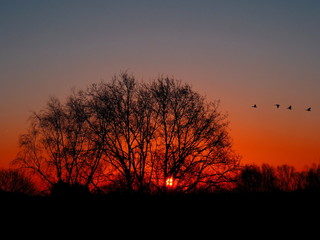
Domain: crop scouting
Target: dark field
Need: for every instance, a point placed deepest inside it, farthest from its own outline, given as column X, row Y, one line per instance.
column 168, row 205
column 228, row 215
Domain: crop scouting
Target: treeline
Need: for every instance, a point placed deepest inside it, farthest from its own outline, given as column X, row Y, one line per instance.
column 250, row 179
column 284, row 178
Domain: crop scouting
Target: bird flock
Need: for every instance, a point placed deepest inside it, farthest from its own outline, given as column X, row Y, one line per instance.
column 278, row 106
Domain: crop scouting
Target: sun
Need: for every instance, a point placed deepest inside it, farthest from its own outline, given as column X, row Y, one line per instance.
column 169, row 182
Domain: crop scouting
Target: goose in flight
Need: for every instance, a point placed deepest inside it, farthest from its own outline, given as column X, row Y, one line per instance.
column 277, row 105
column 290, row 107
column 308, row 109
column 254, row 106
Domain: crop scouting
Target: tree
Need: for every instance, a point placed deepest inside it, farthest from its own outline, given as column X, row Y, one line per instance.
column 312, row 179
column 192, row 139
column 250, row 179
column 269, row 179
column 14, row 181
column 139, row 134
column 57, row 146
column 287, row 178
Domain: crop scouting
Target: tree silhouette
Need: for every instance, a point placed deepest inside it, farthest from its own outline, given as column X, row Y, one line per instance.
column 312, row 179
column 57, row 146
column 14, row 181
column 192, row 139
column 269, row 180
column 250, row 179
column 253, row 178
column 284, row 178
column 288, row 178
column 136, row 134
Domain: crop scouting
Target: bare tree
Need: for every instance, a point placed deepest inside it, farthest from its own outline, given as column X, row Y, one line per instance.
column 58, row 146
column 250, row 179
column 287, row 178
column 312, row 178
column 139, row 134
column 253, row 178
column 269, row 181
column 192, row 142
column 124, row 122
column 15, row 181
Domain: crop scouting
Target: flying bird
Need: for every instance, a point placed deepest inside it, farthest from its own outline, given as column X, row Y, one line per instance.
column 277, row 105
column 290, row 107
column 308, row 109
column 254, row 106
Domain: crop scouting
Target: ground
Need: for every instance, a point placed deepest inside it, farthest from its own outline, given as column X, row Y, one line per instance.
column 228, row 214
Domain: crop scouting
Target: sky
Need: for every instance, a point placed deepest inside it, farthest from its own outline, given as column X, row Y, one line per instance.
column 240, row 52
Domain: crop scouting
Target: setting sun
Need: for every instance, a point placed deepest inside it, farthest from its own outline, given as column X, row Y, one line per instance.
column 169, row 182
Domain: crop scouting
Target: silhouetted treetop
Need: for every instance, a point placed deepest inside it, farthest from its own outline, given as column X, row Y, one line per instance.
column 132, row 136
column 15, row 181
column 284, row 178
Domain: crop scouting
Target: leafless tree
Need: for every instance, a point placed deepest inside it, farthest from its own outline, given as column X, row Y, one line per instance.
column 139, row 134
column 287, row 178
column 312, row 178
column 192, row 142
column 269, row 179
column 57, row 146
column 123, row 121
column 15, row 181
column 266, row 178
column 250, row 178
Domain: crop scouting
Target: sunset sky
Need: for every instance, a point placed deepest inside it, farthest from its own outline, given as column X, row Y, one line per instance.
column 239, row 51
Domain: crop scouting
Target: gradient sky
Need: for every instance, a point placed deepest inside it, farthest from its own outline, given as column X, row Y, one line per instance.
column 241, row 52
